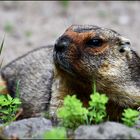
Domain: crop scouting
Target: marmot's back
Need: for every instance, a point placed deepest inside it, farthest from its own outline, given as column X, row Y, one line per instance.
column 34, row 73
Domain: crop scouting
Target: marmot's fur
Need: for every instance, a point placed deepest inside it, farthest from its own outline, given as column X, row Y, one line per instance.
column 84, row 54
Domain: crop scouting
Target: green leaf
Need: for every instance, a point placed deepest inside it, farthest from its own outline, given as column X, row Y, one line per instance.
column 3, row 100
column 8, row 107
column 130, row 116
column 56, row 133
column 2, row 44
column 97, row 106
column 9, row 98
column 94, row 88
column 4, row 111
column 1, row 63
column 16, row 101
column 72, row 113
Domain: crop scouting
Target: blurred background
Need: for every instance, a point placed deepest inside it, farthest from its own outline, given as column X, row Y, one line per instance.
column 31, row 24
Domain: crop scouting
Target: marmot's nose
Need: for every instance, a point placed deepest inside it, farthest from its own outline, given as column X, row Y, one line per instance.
column 62, row 44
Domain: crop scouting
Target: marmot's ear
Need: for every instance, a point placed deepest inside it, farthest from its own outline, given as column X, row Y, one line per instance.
column 34, row 71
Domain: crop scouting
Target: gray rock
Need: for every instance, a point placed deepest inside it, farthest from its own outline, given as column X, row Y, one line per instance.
column 137, row 125
column 27, row 128
column 107, row 130
column 34, row 73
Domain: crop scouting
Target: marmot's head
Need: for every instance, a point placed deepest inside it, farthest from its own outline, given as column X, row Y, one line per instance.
column 87, row 53
column 83, row 50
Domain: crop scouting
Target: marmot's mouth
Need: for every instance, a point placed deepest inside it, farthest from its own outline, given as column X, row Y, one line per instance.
column 62, row 63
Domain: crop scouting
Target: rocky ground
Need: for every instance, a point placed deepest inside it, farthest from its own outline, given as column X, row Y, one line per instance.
column 35, row 128
column 28, row 25
column 32, row 24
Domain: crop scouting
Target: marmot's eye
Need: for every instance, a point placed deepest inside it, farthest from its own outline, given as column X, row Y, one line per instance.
column 95, row 42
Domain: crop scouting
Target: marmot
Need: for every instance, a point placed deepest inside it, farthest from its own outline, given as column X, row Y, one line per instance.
column 82, row 55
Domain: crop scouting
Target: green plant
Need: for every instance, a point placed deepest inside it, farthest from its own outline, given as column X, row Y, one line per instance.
column 97, row 107
column 130, row 116
column 1, row 48
column 2, row 44
column 56, row 133
column 8, row 107
column 72, row 112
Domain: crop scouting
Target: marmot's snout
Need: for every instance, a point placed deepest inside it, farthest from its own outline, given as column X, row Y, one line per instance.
column 62, row 43
column 60, row 52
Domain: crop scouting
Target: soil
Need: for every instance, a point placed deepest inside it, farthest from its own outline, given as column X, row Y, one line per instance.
column 30, row 24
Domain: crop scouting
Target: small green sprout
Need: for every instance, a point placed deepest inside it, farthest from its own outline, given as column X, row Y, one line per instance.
column 130, row 116
column 1, row 48
column 2, row 44
column 8, row 107
column 72, row 112
column 56, row 133
column 97, row 106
